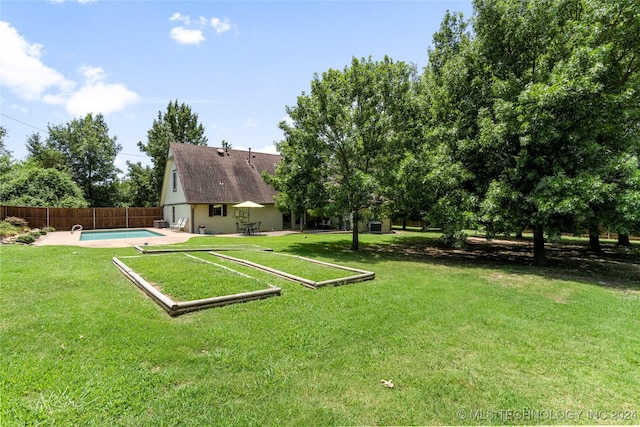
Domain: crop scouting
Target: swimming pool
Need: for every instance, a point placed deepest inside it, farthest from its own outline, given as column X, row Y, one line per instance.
column 117, row 234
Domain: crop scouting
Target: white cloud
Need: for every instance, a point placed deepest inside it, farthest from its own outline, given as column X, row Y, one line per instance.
column 96, row 96
column 100, row 98
column 180, row 17
column 185, row 36
column 21, row 69
column 270, row 149
column 92, row 74
column 221, row 26
column 23, row 72
column 192, row 30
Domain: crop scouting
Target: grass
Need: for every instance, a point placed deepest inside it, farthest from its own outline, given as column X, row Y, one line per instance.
column 187, row 278
column 292, row 265
column 456, row 331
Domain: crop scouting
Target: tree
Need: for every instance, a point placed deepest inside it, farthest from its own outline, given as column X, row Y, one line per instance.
column 5, row 155
column 299, row 175
column 43, row 155
column 562, row 74
column 89, row 154
column 138, row 186
column 28, row 184
column 440, row 180
column 177, row 124
column 345, row 136
column 534, row 111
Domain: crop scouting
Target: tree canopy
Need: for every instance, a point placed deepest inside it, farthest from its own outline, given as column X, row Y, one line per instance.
column 336, row 152
column 177, row 124
column 27, row 184
column 526, row 117
column 89, row 154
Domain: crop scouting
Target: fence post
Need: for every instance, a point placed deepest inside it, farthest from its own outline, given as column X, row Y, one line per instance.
column 94, row 218
column 126, row 213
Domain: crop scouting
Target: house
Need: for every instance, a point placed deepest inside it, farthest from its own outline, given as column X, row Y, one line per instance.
column 203, row 183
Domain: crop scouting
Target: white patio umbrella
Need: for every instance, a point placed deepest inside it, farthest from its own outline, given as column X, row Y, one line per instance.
column 248, row 204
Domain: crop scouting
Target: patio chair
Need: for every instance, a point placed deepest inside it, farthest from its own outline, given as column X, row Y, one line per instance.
column 239, row 228
column 256, row 228
column 179, row 225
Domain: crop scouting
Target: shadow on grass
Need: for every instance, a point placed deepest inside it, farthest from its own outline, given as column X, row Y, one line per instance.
column 617, row 267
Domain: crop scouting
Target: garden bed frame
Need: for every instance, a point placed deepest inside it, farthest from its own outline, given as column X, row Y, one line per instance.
column 203, row 248
column 175, row 308
column 361, row 275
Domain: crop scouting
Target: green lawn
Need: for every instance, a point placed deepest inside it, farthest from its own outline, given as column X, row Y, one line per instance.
column 187, row 278
column 292, row 265
column 468, row 337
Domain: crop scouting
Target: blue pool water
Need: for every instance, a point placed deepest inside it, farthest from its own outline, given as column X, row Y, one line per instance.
column 117, row 234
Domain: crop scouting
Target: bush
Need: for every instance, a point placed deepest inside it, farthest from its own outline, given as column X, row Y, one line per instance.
column 8, row 230
column 26, row 239
column 18, row 222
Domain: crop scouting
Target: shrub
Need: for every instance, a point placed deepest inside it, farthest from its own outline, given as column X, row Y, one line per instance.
column 26, row 239
column 8, row 230
column 18, row 222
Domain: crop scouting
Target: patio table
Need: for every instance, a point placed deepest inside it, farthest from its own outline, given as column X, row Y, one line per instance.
column 248, row 228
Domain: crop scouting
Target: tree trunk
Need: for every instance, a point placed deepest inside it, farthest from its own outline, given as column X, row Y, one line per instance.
column 404, row 224
column 594, row 239
column 623, row 240
column 354, row 233
column 539, row 256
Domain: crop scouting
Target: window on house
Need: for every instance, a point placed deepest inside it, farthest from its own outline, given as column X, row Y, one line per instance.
column 217, row 210
column 174, row 180
column 173, row 214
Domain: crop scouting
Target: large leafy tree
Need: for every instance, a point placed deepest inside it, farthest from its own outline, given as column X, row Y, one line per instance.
column 532, row 114
column 563, row 76
column 89, row 154
column 437, row 179
column 177, row 124
column 28, row 184
column 138, row 186
column 346, row 134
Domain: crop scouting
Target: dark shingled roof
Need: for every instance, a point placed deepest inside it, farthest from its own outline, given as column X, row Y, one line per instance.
column 210, row 175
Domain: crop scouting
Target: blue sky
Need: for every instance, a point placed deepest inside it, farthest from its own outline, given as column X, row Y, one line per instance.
column 237, row 64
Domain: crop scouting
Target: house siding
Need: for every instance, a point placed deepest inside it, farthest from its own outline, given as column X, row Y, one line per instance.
column 269, row 216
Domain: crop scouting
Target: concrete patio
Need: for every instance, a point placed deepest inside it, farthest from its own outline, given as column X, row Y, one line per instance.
column 66, row 238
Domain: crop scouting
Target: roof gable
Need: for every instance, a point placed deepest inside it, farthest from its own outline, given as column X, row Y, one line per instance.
column 211, row 175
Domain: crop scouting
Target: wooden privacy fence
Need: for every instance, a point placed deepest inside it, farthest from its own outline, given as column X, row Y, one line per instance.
column 88, row 218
